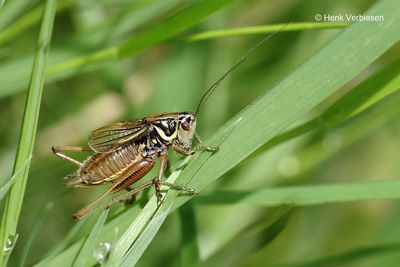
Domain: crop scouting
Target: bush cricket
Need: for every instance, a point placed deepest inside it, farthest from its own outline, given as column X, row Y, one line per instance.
column 125, row 152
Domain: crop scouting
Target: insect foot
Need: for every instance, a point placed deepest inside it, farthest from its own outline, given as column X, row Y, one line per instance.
column 211, row 149
column 182, row 188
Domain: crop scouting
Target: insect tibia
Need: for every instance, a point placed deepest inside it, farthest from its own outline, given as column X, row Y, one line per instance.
column 73, row 180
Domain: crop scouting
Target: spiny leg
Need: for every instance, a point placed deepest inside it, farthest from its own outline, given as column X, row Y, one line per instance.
column 182, row 150
column 157, row 182
column 85, row 210
column 137, row 190
column 131, row 175
column 132, row 192
column 180, row 188
column 58, row 149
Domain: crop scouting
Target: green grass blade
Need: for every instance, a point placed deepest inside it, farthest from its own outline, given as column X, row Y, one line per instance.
column 280, row 107
column 244, row 31
column 189, row 250
column 64, row 259
column 140, row 41
column 378, row 86
column 69, row 68
column 308, row 195
column 87, row 248
column 20, row 25
column 73, row 235
column 347, row 257
column 138, row 248
column 126, row 240
column 32, row 233
column 256, row 236
column 123, row 244
column 295, row 95
column 302, row 90
column 26, row 22
column 148, row 38
column 28, row 131
column 381, row 84
column 314, row 155
column 122, row 24
column 144, row 231
column 11, row 10
column 5, row 188
column 65, row 253
column 354, row 49
column 62, row 70
column 171, row 27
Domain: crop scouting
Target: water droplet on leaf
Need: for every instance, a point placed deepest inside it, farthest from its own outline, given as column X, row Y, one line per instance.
column 101, row 252
column 10, row 243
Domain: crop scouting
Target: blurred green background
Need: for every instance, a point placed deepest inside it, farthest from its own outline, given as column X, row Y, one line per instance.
column 172, row 77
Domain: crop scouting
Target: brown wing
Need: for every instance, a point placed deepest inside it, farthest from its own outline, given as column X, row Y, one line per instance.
column 112, row 136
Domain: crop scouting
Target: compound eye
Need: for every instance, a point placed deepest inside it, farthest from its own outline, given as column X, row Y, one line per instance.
column 185, row 126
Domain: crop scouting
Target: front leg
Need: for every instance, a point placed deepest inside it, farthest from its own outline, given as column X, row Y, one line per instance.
column 202, row 147
column 183, row 151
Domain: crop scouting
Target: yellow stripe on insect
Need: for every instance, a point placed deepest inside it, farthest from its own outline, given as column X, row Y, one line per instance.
column 163, row 136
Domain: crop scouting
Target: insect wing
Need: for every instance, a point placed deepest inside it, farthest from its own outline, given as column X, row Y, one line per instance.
column 112, row 136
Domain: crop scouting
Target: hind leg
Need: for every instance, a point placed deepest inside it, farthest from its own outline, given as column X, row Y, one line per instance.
column 127, row 178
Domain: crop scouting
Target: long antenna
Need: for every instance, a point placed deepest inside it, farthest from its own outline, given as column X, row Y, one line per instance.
column 212, row 88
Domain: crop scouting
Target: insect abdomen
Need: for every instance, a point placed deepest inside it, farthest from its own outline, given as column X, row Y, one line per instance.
column 104, row 167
